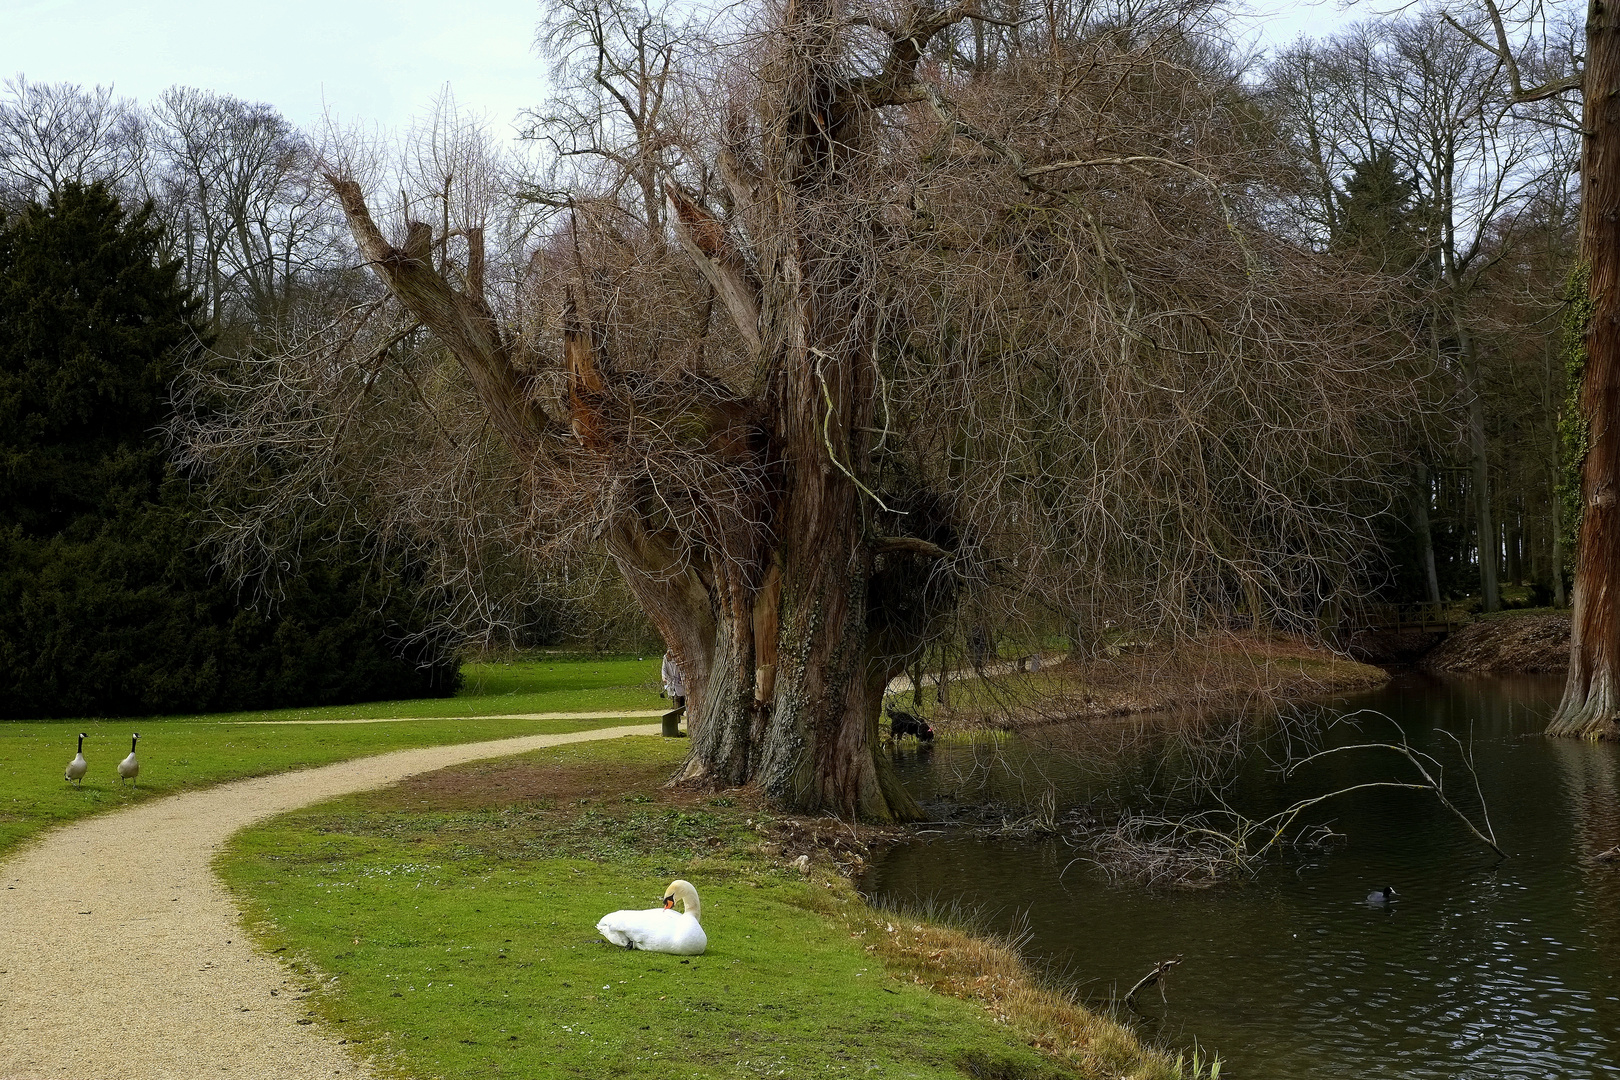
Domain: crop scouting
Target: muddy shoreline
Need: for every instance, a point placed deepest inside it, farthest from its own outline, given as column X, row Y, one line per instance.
column 1505, row 643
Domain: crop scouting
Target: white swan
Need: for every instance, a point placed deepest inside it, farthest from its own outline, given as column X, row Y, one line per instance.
column 78, row 766
column 660, row 929
column 129, row 768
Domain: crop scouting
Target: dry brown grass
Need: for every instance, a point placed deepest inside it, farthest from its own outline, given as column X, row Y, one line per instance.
column 990, row 972
column 1229, row 673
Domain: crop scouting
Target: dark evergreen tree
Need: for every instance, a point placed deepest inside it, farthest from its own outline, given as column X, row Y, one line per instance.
column 91, row 324
column 1379, row 217
column 107, row 601
column 1380, row 220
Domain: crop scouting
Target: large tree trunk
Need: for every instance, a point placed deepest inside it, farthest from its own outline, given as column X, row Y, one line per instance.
column 822, row 655
column 822, row 742
column 704, row 613
column 1591, row 705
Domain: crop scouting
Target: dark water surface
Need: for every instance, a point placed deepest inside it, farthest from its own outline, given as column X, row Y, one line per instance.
column 1481, row 968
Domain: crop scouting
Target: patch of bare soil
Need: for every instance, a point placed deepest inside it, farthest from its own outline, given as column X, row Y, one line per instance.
column 1506, row 643
column 496, row 784
column 558, row 792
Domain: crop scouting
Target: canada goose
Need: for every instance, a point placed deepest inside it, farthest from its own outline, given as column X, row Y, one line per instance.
column 1381, row 896
column 129, row 768
column 78, row 766
column 660, row 929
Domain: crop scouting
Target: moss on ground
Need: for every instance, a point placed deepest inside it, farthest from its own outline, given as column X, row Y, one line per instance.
column 447, row 925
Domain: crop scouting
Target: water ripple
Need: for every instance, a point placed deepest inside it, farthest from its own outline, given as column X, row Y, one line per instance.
column 1481, row 970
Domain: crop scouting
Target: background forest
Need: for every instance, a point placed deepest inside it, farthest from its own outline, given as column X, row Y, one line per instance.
column 304, row 483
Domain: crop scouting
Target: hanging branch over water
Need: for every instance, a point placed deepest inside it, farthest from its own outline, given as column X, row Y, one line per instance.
column 1204, row 847
column 1432, row 781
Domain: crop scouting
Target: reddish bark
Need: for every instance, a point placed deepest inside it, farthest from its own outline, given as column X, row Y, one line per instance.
column 1591, row 705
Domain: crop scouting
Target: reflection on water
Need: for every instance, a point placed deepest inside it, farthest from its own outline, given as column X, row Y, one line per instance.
column 1480, row 969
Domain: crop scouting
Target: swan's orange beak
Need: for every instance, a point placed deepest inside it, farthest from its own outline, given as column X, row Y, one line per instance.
column 669, row 901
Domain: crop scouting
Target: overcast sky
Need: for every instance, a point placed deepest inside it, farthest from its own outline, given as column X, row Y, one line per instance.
column 367, row 61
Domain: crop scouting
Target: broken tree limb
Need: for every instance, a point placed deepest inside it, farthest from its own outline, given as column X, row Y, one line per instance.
column 1153, row 978
column 911, row 544
column 462, row 320
column 703, row 238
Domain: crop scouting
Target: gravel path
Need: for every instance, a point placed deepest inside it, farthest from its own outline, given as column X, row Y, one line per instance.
column 122, row 955
column 622, row 713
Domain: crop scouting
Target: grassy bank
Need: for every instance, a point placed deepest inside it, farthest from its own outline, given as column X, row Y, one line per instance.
column 560, row 682
column 183, row 753
column 447, row 926
column 1225, row 673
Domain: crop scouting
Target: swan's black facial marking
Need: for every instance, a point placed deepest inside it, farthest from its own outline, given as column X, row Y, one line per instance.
column 669, row 901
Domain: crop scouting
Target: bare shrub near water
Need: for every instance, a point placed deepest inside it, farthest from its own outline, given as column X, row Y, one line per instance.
column 1205, row 846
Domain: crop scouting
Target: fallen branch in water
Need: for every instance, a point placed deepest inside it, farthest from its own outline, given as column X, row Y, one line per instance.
column 1153, row 978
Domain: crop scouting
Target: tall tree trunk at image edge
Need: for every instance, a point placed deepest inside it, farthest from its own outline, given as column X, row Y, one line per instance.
column 1591, row 705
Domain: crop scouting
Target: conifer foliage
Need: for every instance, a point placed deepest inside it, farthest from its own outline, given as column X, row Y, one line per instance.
column 107, row 602
column 91, row 325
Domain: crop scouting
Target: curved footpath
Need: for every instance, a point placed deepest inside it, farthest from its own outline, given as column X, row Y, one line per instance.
column 122, row 955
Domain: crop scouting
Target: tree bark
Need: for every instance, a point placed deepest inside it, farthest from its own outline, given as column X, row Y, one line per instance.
column 821, row 745
column 1591, row 704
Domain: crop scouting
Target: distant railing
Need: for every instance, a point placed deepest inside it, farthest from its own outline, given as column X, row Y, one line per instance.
column 1430, row 618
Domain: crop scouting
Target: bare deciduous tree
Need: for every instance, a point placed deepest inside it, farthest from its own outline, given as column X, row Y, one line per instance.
column 1417, row 89
column 892, row 341
column 236, row 187
column 56, row 133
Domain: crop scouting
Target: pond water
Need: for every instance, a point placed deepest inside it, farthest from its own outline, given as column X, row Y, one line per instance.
column 1481, row 968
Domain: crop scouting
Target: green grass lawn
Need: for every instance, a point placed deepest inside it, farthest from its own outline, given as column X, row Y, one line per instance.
column 181, row 753
column 448, row 926
column 566, row 682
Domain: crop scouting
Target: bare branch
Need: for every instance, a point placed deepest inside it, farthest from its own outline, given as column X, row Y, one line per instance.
column 462, row 320
column 1503, row 51
column 703, row 238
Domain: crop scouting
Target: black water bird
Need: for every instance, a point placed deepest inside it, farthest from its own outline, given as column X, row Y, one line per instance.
column 1381, row 896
